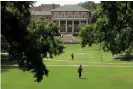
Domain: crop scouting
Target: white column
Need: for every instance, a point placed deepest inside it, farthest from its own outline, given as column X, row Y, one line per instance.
column 86, row 21
column 59, row 26
column 72, row 26
column 66, row 26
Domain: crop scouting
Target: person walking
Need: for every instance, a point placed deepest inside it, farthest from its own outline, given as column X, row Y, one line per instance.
column 72, row 55
column 80, row 71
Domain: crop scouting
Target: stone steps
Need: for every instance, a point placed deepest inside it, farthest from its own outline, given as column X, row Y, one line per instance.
column 68, row 38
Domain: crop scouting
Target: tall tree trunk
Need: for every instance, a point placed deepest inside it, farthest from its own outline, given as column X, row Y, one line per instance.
column 101, row 48
column 101, row 53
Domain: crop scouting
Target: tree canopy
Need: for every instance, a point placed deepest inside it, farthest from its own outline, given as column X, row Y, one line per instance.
column 114, row 27
column 29, row 41
column 90, row 5
column 87, row 35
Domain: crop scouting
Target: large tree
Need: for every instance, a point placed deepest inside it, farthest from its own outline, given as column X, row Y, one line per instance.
column 87, row 35
column 28, row 40
column 115, row 26
column 118, row 21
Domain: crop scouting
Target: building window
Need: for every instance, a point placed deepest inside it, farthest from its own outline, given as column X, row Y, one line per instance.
column 77, row 15
column 70, row 15
column 56, row 14
column 62, row 26
column 83, row 16
column 76, row 26
column 62, row 15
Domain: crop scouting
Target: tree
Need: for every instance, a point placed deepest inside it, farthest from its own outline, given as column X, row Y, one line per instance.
column 97, row 13
column 114, row 27
column 94, row 8
column 90, row 5
column 29, row 41
column 87, row 35
column 119, row 21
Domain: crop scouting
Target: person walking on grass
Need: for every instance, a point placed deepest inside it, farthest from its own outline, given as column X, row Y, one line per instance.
column 72, row 55
column 80, row 71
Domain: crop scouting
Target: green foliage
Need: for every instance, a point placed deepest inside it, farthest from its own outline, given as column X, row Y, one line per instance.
column 4, row 44
column 114, row 26
column 41, row 42
column 100, row 29
column 87, row 35
column 28, row 40
column 119, row 21
column 78, row 27
column 94, row 8
column 129, row 51
column 90, row 5
column 97, row 13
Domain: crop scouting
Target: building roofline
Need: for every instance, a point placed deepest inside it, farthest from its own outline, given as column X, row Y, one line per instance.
column 65, row 8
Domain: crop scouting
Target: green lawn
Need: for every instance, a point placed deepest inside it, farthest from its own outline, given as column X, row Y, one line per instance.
column 87, row 54
column 66, row 77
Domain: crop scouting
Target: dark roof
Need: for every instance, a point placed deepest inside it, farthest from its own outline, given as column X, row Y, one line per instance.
column 40, row 13
column 42, row 6
column 70, row 8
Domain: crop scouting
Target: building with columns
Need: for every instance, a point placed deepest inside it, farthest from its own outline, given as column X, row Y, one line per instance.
column 68, row 16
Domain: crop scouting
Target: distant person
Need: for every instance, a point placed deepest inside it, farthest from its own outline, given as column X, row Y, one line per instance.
column 80, row 71
column 72, row 55
column 62, row 35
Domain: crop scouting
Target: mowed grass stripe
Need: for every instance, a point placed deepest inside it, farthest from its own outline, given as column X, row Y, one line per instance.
column 67, row 78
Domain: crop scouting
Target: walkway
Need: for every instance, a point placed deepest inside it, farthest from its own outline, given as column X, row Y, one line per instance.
column 90, row 64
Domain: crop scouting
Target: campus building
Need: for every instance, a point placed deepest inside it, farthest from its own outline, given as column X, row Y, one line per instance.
column 68, row 16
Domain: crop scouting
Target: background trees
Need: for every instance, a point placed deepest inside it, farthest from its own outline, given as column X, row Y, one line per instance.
column 27, row 40
column 90, row 5
column 114, row 27
column 87, row 35
column 93, row 7
column 119, row 19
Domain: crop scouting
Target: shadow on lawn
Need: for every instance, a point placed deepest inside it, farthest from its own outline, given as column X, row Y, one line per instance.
column 6, row 63
column 7, row 68
column 84, row 78
column 125, row 58
column 5, row 60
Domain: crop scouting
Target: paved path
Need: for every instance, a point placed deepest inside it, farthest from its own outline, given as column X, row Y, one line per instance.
column 90, row 64
column 75, row 65
column 85, row 62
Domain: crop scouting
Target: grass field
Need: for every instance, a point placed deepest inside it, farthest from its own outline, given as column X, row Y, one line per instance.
column 87, row 54
column 66, row 77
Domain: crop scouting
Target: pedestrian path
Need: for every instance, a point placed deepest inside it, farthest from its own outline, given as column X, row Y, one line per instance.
column 89, row 64
column 74, row 65
column 86, row 62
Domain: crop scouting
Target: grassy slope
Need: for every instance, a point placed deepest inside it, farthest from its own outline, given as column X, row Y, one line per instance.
column 67, row 78
column 92, row 54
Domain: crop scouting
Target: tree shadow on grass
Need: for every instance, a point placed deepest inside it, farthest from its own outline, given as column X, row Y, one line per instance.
column 5, row 60
column 125, row 58
column 8, row 68
column 84, row 78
